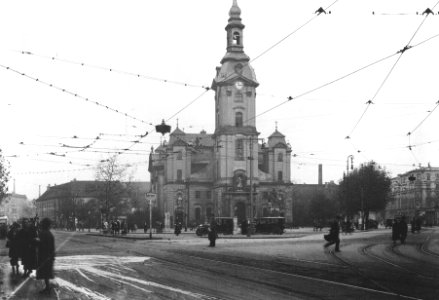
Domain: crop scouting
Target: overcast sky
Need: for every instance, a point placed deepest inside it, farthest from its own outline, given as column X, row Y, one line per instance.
column 175, row 45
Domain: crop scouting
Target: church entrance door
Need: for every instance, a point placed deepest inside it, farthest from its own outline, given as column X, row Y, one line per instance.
column 240, row 212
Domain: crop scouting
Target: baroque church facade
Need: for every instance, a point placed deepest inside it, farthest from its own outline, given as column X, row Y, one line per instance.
column 232, row 172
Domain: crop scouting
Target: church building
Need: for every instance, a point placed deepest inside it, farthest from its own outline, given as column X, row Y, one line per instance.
column 232, row 172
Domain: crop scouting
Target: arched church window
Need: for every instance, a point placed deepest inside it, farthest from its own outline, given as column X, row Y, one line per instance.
column 236, row 38
column 239, row 149
column 239, row 97
column 238, row 119
column 280, row 157
column 179, row 155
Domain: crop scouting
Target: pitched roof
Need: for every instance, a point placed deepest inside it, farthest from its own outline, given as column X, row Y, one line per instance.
column 88, row 188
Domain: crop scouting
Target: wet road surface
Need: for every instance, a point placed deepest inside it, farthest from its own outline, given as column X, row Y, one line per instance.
column 369, row 267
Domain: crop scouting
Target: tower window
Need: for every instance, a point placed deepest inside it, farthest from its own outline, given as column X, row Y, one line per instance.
column 229, row 93
column 179, row 175
column 179, row 155
column 238, row 97
column 239, row 150
column 280, row 157
column 248, row 94
column 236, row 38
column 238, row 119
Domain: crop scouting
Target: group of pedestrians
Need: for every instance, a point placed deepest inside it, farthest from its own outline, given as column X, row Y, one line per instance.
column 399, row 232
column 33, row 244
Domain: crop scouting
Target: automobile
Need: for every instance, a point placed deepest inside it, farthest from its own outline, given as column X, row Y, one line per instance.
column 372, row 224
column 269, row 225
column 202, row 229
column 224, row 225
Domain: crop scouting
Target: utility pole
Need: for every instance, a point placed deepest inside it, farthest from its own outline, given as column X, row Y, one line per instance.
column 250, row 227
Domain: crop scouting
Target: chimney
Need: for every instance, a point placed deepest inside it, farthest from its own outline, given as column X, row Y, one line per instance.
column 320, row 174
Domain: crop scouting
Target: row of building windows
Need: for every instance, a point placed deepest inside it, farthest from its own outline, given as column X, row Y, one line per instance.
column 198, row 194
column 239, row 97
column 239, row 151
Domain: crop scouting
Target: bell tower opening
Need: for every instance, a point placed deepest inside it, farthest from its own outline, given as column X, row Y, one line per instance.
column 236, row 38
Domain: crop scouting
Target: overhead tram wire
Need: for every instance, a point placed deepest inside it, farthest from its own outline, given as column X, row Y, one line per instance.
column 76, row 95
column 137, row 75
column 423, row 120
column 189, row 104
column 290, row 34
column 289, row 98
column 258, row 56
column 400, row 52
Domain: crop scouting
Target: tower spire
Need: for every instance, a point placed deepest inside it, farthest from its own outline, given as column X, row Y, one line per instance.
column 235, row 11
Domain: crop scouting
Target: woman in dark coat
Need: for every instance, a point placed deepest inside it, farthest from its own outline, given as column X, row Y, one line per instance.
column 46, row 254
column 14, row 246
column 28, row 236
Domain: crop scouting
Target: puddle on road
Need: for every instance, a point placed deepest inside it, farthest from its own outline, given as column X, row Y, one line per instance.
column 78, row 275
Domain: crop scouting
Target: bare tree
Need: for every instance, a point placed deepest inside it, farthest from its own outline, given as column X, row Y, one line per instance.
column 111, row 172
column 4, row 177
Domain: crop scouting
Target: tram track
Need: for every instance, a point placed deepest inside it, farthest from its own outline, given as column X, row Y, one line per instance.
column 359, row 272
column 197, row 263
column 392, row 249
column 423, row 247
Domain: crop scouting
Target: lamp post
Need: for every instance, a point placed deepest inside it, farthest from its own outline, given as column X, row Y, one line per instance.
column 252, row 188
column 89, row 212
column 150, row 197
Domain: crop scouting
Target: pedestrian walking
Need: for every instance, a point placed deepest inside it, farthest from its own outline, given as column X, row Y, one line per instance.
column 46, row 254
column 212, row 235
column 403, row 229
column 177, row 229
column 396, row 235
column 13, row 243
column 334, row 234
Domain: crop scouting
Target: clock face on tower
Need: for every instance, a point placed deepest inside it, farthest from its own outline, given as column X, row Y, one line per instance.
column 239, row 85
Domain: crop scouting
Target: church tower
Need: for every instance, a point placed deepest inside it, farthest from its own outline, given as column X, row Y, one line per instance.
column 236, row 137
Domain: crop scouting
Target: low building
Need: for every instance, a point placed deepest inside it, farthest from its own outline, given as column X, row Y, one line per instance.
column 415, row 194
column 90, row 202
column 16, row 206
